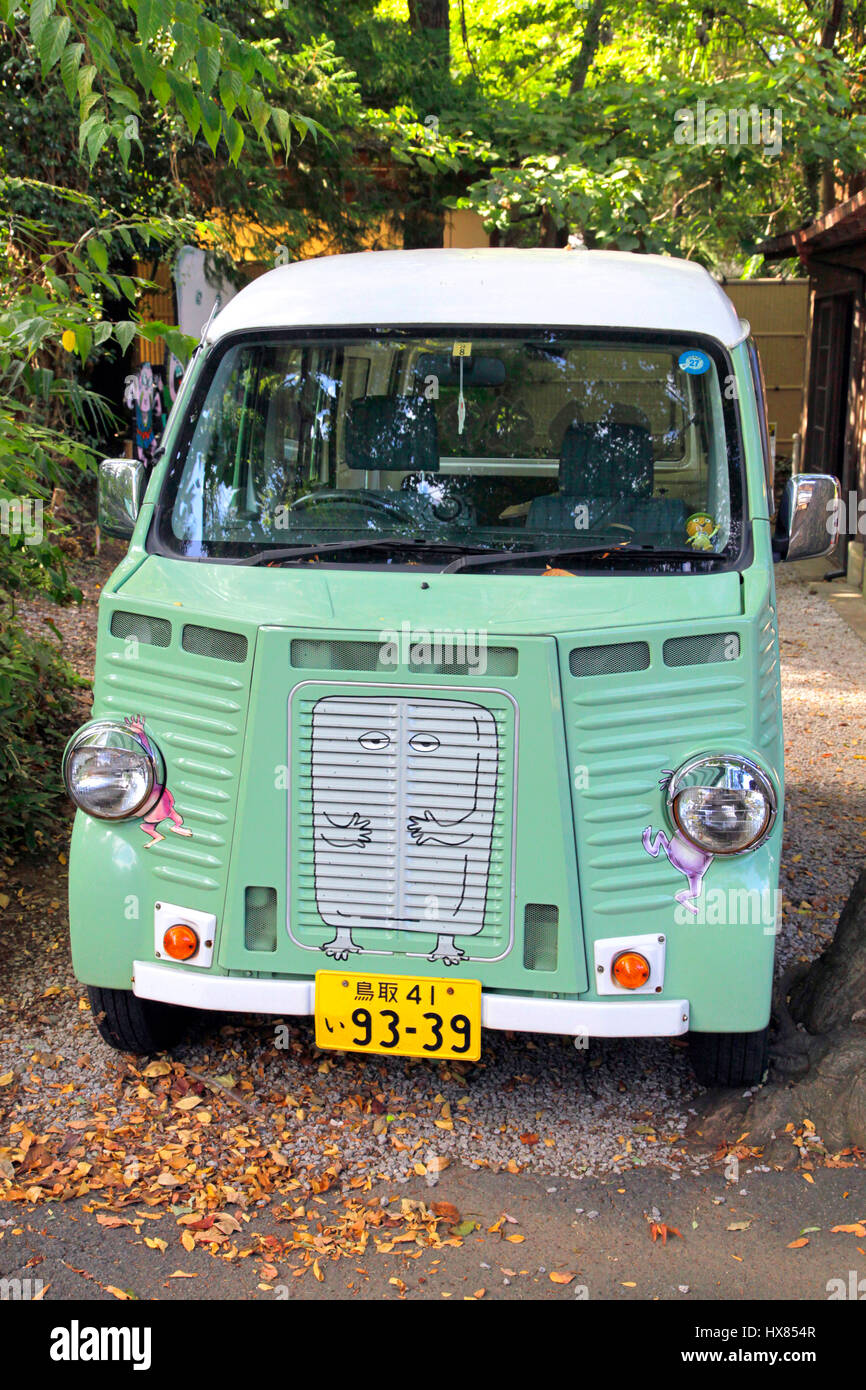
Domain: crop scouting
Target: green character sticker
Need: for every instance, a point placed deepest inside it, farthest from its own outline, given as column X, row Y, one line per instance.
column 700, row 529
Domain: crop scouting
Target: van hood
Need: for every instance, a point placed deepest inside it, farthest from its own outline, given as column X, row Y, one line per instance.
column 381, row 600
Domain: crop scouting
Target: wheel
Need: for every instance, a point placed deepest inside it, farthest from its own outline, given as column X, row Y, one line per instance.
column 131, row 1024
column 730, row 1059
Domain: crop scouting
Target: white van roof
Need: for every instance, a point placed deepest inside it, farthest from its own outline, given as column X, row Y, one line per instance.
column 485, row 286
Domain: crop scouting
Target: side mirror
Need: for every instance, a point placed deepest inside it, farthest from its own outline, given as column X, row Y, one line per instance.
column 122, row 484
column 809, row 515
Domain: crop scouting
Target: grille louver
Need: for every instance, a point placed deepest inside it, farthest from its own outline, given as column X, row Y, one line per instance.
column 403, row 826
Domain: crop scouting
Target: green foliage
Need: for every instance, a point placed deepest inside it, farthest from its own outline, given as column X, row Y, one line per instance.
column 84, row 200
column 541, row 151
column 112, row 60
column 37, row 716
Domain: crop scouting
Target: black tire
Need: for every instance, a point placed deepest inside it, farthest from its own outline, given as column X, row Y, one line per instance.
column 136, row 1025
column 730, row 1059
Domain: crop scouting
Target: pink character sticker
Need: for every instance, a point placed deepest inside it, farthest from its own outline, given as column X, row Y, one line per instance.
column 164, row 809
column 681, row 854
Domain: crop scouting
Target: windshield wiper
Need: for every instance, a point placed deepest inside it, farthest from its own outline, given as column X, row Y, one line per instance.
column 606, row 548
column 262, row 557
column 511, row 556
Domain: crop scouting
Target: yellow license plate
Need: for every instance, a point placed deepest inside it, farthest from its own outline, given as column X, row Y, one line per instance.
column 402, row 1014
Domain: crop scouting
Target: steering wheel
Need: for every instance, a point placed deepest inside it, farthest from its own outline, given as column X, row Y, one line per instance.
column 359, row 498
column 447, row 507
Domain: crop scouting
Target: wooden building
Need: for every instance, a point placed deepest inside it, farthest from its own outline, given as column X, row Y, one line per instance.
column 833, row 251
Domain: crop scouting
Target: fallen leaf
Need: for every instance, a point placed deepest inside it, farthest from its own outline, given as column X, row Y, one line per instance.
column 447, row 1211
column 738, row 1226
column 118, row 1293
column 157, row 1069
column 465, row 1228
column 798, row 1244
column 857, row 1228
column 561, row 1276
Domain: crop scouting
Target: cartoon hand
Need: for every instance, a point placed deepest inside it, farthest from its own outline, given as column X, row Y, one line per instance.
column 428, row 830
column 134, row 723
column 356, row 830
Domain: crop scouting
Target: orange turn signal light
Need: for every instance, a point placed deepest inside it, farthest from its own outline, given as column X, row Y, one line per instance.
column 180, row 941
column 631, row 969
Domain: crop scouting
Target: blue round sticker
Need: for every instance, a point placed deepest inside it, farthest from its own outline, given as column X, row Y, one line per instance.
column 694, row 362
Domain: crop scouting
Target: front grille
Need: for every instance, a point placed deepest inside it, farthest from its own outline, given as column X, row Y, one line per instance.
column 614, row 659
column 540, row 936
column 701, row 649
column 153, row 632
column 402, row 820
column 427, row 654
column 214, row 642
column 313, row 655
column 260, row 919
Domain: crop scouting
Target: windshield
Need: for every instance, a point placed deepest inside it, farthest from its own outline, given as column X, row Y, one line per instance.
column 408, row 448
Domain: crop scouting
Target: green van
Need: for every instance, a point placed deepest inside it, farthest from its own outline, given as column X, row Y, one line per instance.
column 439, row 688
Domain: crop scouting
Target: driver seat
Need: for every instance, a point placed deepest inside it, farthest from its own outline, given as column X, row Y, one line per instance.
column 607, row 467
column 395, row 433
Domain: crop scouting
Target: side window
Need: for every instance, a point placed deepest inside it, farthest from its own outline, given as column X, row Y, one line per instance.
column 761, row 397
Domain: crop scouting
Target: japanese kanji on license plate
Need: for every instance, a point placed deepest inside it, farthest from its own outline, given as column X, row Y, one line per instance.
column 410, row 1016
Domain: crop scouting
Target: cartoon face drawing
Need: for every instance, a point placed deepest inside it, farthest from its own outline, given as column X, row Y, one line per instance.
column 404, row 797
column 681, row 854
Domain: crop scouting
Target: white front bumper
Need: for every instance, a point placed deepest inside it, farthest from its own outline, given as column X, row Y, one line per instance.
column 610, row 1018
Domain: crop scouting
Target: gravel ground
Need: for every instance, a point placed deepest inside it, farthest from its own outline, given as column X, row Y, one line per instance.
column 258, row 1121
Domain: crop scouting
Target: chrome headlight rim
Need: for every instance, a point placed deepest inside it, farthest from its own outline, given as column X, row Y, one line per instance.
column 89, row 735
column 711, row 762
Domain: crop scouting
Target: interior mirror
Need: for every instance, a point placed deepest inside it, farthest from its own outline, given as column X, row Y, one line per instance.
column 122, row 483
column 809, row 514
column 477, row 371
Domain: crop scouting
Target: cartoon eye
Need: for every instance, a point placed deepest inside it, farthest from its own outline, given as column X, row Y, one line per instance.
column 424, row 743
column 375, row 740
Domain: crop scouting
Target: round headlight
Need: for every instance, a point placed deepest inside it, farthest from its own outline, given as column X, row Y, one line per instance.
column 722, row 804
column 109, row 774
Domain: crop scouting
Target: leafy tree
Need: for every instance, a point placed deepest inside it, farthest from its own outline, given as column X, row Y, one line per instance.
column 89, row 90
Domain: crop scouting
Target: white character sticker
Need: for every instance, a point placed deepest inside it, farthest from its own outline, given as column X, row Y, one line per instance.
column 404, row 801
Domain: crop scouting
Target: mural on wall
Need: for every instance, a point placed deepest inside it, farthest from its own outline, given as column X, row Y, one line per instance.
column 165, row 808
column 143, row 395
column 681, row 854
column 403, row 806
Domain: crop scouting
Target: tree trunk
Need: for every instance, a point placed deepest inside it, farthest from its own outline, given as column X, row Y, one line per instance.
column 820, row 1046
column 833, row 993
column 588, row 47
column 424, row 218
